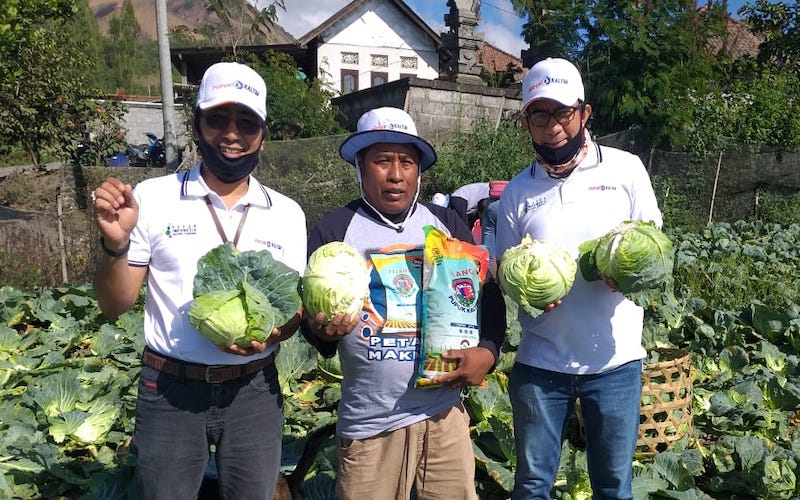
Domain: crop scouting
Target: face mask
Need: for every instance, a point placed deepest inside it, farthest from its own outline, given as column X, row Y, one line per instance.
column 561, row 155
column 227, row 171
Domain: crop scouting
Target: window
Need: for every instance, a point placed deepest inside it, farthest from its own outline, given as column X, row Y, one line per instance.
column 378, row 78
column 408, row 62
column 380, row 60
column 349, row 57
column 349, row 81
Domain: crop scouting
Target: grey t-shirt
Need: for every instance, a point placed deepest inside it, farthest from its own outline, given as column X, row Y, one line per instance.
column 379, row 357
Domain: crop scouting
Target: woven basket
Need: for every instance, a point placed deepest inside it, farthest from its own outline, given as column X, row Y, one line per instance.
column 666, row 411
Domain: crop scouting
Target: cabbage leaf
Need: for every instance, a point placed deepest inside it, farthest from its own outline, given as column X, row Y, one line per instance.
column 242, row 296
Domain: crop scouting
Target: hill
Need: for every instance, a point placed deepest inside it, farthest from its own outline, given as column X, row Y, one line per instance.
column 193, row 14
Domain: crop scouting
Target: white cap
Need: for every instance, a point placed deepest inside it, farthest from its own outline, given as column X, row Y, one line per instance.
column 391, row 125
column 231, row 82
column 556, row 79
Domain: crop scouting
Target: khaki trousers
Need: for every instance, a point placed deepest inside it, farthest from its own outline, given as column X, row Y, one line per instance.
column 433, row 456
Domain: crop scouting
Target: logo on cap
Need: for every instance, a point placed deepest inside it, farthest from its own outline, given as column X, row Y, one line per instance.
column 238, row 85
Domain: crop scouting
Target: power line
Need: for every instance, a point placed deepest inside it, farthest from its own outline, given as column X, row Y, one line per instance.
column 501, row 9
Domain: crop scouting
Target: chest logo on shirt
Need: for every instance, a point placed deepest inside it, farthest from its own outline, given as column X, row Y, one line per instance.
column 602, row 188
column 532, row 204
column 173, row 230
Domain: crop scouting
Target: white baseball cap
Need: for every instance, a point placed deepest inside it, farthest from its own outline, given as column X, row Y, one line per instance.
column 556, row 79
column 232, row 82
column 391, row 125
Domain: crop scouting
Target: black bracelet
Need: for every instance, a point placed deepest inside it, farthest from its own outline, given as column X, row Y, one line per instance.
column 114, row 253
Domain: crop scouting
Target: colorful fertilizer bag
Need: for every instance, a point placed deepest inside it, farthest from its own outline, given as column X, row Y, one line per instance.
column 452, row 274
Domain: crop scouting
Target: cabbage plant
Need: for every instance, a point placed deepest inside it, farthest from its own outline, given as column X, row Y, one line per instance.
column 242, row 296
column 637, row 255
column 336, row 281
column 536, row 273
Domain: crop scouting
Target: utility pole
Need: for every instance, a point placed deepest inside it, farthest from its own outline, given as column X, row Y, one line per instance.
column 167, row 94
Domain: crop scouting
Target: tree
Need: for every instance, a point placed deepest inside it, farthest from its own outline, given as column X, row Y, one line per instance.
column 552, row 28
column 123, row 53
column 241, row 23
column 633, row 54
column 780, row 24
column 19, row 18
column 296, row 107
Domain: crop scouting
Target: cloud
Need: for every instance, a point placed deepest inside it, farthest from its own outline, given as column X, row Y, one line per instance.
column 504, row 38
column 302, row 16
column 499, row 23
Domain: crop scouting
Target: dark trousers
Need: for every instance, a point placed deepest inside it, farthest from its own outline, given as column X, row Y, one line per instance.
column 177, row 420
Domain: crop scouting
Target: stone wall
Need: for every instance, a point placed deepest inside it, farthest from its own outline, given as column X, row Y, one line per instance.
column 438, row 107
column 143, row 117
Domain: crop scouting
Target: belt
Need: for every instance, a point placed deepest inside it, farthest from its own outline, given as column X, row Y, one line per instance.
column 213, row 374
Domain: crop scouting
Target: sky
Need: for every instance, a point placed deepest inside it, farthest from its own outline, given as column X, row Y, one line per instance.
column 499, row 23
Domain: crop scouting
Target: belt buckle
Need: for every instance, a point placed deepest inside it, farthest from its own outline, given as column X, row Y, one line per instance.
column 209, row 372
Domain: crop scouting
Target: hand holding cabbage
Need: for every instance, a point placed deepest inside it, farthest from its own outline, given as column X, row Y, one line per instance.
column 335, row 282
column 241, row 296
column 635, row 254
column 535, row 274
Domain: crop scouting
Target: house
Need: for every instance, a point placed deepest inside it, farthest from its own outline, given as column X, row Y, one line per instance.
column 371, row 42
column 495, row 60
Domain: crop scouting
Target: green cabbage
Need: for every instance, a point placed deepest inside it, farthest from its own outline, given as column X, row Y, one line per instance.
column 637, row 255
column 335, row 281
column 536, row 273
column 242, row 296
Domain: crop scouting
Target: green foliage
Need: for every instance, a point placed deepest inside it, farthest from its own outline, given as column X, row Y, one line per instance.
column 552, row 27
column 779, row 23
column 242, row 23
column 20, row 18
column 638, row 55
column 311, row 172
column 296, row 107
column 479, row 155
column 758, row 107
column 39, row 86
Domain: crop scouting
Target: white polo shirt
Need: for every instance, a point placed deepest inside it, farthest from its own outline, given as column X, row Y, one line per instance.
column 594, row 329
column 175, row 229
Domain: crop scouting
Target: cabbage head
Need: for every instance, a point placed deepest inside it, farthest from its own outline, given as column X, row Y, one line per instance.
column 635, row 254
column 536, row 273
column 241, row 296
column 336, row 280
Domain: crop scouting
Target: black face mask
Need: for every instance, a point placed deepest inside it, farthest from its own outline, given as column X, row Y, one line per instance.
column 563, row 154
column 227, row 171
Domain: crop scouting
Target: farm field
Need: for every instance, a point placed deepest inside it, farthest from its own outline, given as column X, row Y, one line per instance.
column 68, row 381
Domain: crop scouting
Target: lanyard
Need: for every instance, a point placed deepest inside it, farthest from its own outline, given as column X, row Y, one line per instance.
column 219, row 226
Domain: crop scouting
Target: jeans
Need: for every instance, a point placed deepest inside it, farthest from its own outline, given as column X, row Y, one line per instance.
column 178, row 419
column 489, row 225
column 610, row 405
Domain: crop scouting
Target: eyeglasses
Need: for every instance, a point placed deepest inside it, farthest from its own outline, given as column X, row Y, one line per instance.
column 248, row 125
column 562, row 115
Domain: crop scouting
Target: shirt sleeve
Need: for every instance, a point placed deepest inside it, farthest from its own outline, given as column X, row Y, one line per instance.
column 492, row 322
column 644, row 205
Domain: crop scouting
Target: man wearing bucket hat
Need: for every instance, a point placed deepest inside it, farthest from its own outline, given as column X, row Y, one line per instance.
column 394, row 438
column 193, row 393
column 588, row 345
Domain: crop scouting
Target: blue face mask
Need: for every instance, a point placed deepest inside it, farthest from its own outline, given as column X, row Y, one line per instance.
column 227, row 171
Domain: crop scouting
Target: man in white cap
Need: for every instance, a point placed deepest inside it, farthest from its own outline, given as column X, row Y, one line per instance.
column 395, row 438
column 193, row 393
column 588, row 345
